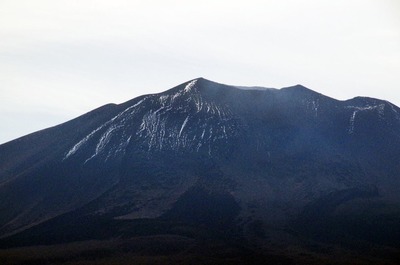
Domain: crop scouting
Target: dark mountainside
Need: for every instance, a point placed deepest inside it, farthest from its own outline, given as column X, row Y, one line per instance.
column 206, row 173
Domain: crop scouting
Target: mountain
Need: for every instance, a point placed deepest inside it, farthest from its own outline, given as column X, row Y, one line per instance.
column 265, row 167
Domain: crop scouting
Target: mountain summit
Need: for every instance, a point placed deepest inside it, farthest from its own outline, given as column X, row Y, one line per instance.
column 256, row 163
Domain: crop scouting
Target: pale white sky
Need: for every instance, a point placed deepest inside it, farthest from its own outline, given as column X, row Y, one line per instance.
column 62, row 58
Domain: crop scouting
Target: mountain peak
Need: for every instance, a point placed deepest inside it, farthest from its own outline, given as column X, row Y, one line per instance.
column 298, row 88
column 199, row 82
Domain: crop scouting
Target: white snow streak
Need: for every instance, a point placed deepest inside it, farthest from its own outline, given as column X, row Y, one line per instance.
column 183, row 126
column 104, row 140
column 76, row 147
column 352, row 119
column 190, row 85
column 100, row 146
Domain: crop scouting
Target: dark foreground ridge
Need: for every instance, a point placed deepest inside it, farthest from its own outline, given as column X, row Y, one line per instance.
column 206, row 173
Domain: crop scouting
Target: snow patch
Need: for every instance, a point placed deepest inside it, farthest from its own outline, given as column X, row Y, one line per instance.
column 183, row 126
column 76, row 147
column 352, row 120
column 163, row 100
column 190, row 85
column 104, row 140
column 124, row 114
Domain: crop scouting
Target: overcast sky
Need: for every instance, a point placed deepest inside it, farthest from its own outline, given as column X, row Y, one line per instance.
column 60, row 59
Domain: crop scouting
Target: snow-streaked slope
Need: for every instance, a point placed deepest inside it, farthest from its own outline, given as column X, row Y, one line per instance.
column 179, row 120
column 268, row 152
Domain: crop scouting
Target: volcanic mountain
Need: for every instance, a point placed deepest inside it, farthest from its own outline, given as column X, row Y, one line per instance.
column 260, row 164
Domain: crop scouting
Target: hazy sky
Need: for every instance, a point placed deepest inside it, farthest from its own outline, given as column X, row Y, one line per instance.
column 60, row 59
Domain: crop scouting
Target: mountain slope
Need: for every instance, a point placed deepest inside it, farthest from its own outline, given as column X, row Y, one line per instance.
column 244, row 160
